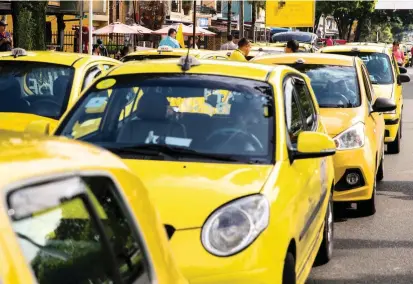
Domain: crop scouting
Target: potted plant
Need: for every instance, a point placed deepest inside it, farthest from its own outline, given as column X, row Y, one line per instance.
column 186, row 6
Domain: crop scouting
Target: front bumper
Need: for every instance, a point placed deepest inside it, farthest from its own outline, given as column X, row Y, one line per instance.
column 354, row 161
column 258, row 263
column 392, row 122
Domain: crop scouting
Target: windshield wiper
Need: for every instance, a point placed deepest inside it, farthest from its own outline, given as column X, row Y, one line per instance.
column 177, row 151
column 146, row 151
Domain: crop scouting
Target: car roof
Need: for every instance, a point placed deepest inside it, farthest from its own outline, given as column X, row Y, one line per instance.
column 25, row 156
column 349, row 48
column 174, row 51
column 210, row 67
column 309, row 58
column 55, row 57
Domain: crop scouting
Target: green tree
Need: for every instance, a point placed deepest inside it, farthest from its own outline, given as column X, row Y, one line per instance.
column 29, row 24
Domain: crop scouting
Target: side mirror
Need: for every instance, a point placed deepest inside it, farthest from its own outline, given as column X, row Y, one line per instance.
column 403, row 78
column 383, row 105
column 402, row 70
column 314, row 145
column 38, row 127
column 400, row 64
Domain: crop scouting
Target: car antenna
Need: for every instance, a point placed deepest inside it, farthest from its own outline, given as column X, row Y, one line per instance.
column 186, row 66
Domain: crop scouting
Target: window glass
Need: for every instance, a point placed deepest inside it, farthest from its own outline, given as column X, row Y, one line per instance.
column 306, row 104
column 333, row 86
column 206, row 114
column 90, row 75
column 36, row 88
column 107, row 66
column 293, row 116
column 367, row 84
column 64, row 245
column 378, row 66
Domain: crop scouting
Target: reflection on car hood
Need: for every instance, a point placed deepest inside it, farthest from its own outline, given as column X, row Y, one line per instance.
column 336, row 120
column 384, row 91
column 19, row 121
column 185, row 194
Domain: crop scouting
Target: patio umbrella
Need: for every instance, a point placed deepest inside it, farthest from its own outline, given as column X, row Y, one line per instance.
column 116, row 28
column 203, row 32
column 141, row 29
column 186, row 30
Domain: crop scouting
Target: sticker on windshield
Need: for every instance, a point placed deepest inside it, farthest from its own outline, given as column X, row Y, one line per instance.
column 106, row 84
column 96, row 102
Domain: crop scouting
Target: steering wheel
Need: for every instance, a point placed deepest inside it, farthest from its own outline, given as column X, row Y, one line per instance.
column 232, row 133
column 47, row 104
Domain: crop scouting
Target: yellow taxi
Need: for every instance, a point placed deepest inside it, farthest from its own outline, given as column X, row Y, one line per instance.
column 167, row 52
column 73, row 213
column 387, row 82
column 229, row 184
column 43, row 84
column 352, row 115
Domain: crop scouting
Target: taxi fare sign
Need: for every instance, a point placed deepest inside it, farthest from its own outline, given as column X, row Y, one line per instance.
column 290, row 13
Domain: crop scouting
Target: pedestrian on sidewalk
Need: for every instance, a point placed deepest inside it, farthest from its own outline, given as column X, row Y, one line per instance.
column 329, row 41
column 170, row 40
column 292, row 46
column 398, row 53
column 102, row 48
column 230, row 45
column 6, row 41
column 244, row 48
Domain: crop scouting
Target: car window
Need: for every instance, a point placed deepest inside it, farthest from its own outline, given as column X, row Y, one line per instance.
column 35, row 88
column 221, row 116
column 367, row 84
column 334, row 86
column 91, row 74
column 294, row 119
column 306, row 104
column 63, row 240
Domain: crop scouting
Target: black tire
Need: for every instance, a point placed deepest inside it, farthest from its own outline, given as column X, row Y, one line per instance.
column 394, row 147
column 326, row 249
column 289, row 276
column 380, row 171
column 368, row 207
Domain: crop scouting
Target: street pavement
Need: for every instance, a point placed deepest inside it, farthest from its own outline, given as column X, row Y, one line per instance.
column 379, row 249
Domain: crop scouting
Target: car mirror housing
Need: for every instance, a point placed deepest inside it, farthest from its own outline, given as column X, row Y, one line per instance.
column 383, row 105
column 403, row 78
column 314, row 145
column 402, row 70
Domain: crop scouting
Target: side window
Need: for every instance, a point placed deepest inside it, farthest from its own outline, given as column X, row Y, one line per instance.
column 293, row 115
column 81, row 230
column 306, row 104
column 367, row 84
column 107, row 66
column 91, row 74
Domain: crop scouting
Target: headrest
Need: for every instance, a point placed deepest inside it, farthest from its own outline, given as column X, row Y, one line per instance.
column 152, row 106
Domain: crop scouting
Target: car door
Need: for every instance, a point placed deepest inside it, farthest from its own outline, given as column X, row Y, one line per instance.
column 303, row 171
column 375, row 121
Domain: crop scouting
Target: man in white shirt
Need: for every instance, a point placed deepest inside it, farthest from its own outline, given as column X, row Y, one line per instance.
column 230, row 45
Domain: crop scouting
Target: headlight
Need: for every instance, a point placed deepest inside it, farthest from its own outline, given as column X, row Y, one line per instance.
column 351, row 138
column 236, row 225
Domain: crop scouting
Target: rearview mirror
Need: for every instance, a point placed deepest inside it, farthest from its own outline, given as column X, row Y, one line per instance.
column 314, row 145
column 402, row 70
column 38, row 127
column 383, row 104
column 212, row 100
column 403, row 78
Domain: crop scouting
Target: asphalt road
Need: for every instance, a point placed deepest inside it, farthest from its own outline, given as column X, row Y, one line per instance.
column 379, row 249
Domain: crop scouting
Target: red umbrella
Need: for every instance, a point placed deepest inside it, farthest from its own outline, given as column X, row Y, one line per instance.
column 116, row 28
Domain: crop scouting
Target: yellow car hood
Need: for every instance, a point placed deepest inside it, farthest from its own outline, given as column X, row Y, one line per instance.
column 384, row 91
column 336, row 120
column 186, row 193
column 19, row 121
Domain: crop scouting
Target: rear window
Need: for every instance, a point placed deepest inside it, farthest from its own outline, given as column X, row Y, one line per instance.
column 35, row 88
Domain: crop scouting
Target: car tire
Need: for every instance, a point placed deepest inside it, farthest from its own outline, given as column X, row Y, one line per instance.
column 380, row 171
column 394, row 147
column 326, row 249
column 289, row 276
column 368, row 207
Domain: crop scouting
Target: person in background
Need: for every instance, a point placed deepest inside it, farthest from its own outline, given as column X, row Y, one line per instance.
column 411, row 58
column 244, row 48
column 170, row 40
column 102, row 48
column 96, row 49
column 191, row 42
column 230, row 45
column 398, row 53
column 329, row 41
column 292, row 46
column 6, row 41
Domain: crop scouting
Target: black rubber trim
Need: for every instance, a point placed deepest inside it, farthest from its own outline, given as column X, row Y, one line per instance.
column 391, row 121
column 313, row 215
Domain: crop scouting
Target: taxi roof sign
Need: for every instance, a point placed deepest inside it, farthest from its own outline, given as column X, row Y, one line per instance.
column 300, row 61
column 18, row 52
column 164, row 48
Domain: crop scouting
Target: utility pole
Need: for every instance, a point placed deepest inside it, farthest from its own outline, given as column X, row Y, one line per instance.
column 81, row 28
column 194, row 26
column 90, row 26
column 241, row 18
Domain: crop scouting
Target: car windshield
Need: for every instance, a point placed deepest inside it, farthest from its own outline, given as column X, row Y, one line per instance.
column 35, row 88
column 334, row 86
column 378, row 65
column 149, row 57
column 191, row 117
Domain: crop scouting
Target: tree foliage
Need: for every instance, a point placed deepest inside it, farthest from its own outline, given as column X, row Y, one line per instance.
column 29, row 24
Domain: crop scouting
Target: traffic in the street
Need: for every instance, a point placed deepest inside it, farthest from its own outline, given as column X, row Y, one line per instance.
column 135, row 148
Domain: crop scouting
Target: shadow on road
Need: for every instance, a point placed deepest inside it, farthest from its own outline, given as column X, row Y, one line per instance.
column 371, row 244
column 382, row 279
column 402, row 190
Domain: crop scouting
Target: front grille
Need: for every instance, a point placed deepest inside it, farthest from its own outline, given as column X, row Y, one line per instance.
column 170, row 230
